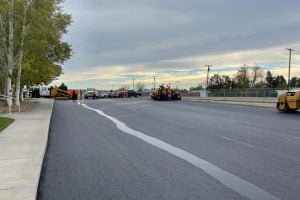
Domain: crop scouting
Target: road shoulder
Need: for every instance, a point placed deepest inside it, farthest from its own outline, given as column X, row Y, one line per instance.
column 260, row 102
column 22, row 149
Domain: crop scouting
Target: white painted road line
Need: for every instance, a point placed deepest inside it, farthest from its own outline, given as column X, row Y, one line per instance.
column 232, row 181
column 237, row 141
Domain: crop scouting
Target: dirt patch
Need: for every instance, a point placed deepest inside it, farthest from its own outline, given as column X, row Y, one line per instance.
column 25, row 106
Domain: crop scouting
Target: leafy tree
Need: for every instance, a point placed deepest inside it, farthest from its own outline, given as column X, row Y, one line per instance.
column 47, row 51
column 216, row 82
column 124, row 87
column 295, row 82
column 228, row 82
column 242, row 77
column 199, row 87
column 31, row 46
column 279, row 82
column 269, row 80
column 63, row 87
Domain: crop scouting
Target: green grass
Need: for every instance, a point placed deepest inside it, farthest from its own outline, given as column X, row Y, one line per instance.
column 5, row 122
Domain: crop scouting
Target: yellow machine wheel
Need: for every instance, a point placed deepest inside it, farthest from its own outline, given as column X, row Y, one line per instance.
column 282, row 106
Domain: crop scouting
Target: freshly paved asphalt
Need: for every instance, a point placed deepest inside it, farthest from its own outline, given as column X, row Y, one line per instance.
column 88, row 157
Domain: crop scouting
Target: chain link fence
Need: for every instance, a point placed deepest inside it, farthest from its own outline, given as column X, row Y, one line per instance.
column 247, row 92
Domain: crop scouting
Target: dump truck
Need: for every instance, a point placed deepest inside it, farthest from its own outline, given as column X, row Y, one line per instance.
column 165, row 93
column 289, row 101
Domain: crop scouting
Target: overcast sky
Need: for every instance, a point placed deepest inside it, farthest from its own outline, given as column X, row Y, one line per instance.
column 117, row 40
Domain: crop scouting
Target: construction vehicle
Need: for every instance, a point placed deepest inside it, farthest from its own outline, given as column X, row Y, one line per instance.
column 165, row 93
column 60, row 94
column 73, row 94
column 289, row 101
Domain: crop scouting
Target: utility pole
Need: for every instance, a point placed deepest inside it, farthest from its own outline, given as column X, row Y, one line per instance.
column 208, row 70
column 154, row 82
column 289, row 75
column 133, row 84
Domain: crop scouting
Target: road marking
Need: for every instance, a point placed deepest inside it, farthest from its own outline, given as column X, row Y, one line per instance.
column 176, row 123
column 232, row 181
column 237, row 141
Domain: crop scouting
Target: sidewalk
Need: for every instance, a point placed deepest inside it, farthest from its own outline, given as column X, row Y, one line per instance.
column 22, row 148
column 250, row 101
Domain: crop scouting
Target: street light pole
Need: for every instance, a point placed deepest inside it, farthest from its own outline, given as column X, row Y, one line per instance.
column 289, row 74
column 133, row 84
column 154, row 82
column 208, row 69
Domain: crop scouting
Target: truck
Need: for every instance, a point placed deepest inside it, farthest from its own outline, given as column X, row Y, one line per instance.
column 91, row 92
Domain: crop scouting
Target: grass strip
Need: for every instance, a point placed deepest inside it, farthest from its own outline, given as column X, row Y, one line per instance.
column 5, row 122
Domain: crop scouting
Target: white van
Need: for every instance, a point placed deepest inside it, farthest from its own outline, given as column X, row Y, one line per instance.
column 44, row 91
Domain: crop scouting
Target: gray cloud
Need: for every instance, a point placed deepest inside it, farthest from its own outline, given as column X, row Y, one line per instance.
column 124, row 32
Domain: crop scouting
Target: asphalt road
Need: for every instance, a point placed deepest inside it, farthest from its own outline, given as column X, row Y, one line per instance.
column 91, row 156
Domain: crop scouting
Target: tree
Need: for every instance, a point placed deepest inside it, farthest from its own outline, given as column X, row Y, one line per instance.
column 63, row 87
column 279, row 82
column 256, row 76
column 31, row 46
column 140, row 86
column 269, row 80
column 124, row 87
column 199, row 87
column 216, row 82
column 242, row 77
column 9, row 49
column 228, row 82
column 47, row 52
column 295, row 82
column 23, row 33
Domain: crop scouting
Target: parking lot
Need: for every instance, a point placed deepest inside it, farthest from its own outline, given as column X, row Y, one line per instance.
column 101, row 149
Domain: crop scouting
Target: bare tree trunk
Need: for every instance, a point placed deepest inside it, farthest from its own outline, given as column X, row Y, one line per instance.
column 3, row 53
column 22, row 97
column 27, row 91
column 21, row 55
column 10, row 53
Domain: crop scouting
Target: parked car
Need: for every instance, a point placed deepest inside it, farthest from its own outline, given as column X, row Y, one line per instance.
column 132, row 93
column 123, row 94
column 115, row 94
column 110, row 94
column 103, row 95
column 91, row 92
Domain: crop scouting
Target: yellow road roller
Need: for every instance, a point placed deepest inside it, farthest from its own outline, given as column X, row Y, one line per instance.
column 289, row 101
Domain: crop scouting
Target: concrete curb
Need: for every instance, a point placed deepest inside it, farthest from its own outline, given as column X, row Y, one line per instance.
column 41, row 160
column 269, row 102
